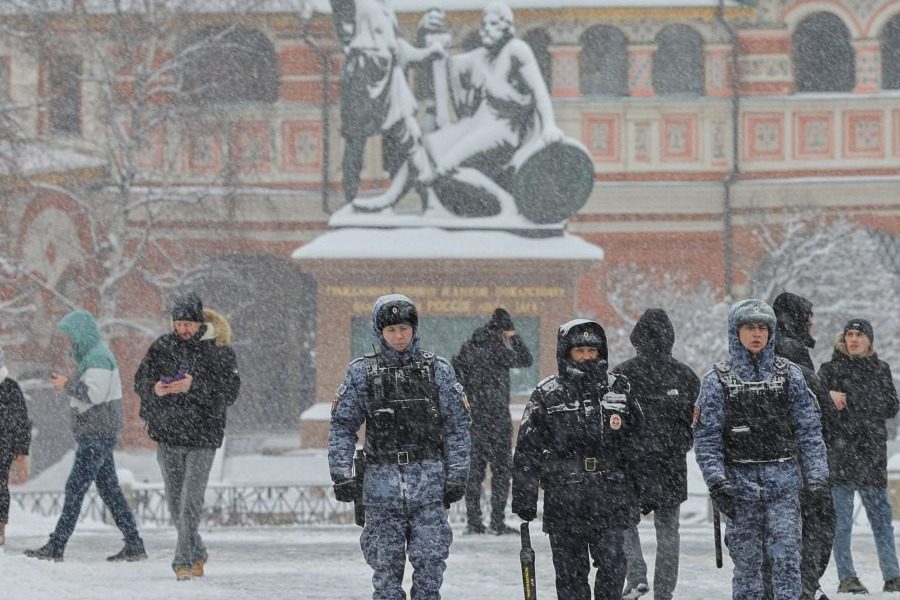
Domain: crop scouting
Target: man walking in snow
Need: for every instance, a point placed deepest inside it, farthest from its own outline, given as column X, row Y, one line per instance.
column 95, row 396
column 187, row 381
column 756, row 429
column 482, row 366
column 666, row 390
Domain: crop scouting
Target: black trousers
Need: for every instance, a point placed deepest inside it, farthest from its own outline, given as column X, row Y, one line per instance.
column 494, row 449
column 6, row 460
column 573, row 551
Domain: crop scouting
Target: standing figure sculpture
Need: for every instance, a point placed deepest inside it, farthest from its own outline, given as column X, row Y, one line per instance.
column 376, row 98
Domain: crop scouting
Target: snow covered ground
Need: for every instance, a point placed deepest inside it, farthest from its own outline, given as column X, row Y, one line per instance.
column 323, row 563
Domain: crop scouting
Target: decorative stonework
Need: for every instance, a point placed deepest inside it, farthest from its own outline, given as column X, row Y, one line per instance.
column 302, row 145
column 640, row 71
column 773, row 67
column 642, row 141
column 813, row 135
column 252, row 146
column 863, row 134
column 679, row 138
column 565, row 72
column 868, row 66
column 204, row 151
column 718, row 80
column 602, row 136
column 719, row 137
column 763, row 137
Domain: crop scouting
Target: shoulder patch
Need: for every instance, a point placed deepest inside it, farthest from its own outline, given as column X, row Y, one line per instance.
column 337, row 397
column 547, row 383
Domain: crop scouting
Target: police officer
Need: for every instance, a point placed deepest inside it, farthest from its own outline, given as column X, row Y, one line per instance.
column 578, row 441
column 755, row 418
column 417, row 451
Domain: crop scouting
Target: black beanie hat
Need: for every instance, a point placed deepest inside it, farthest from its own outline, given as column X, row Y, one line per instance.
column 501, row 321
column 862, row 326
column 188, row 307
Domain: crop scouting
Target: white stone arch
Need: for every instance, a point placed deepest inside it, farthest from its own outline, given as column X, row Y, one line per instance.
column 879, row 20
column 795, row 14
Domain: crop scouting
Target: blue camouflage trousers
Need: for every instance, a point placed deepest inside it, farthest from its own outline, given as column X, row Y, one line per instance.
column 390, row 535
column 765, row 531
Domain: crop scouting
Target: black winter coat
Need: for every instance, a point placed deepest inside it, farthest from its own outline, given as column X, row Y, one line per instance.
column 482, row 366
column 666, row 390
column 15, row 428
column 195, row 419
column 856, row 436
column 563, row 423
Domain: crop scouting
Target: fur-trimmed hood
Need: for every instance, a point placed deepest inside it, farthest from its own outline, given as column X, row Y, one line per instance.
column 217, row 327
column 840, row 348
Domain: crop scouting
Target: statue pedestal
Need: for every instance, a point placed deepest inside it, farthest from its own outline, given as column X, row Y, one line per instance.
column 456, row 280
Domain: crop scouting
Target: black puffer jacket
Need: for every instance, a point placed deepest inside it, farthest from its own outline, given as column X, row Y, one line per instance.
column 857, row 436
column 15, row 428
column 195, row 419
column 666, row 390
column 482, row 366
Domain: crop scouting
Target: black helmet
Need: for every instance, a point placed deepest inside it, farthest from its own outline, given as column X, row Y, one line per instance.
column 396, row 310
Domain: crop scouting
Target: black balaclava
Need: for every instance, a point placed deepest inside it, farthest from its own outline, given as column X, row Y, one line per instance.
column 581, row 332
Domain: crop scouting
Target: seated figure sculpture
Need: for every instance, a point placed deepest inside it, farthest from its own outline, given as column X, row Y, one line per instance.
column 505, row 154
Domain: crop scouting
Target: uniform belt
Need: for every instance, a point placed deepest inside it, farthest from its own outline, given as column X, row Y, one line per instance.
column 403, row 457
column 584, row 464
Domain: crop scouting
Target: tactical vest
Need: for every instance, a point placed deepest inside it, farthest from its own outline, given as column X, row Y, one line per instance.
column 757, row 416
column 588, row 429
column 404, row 422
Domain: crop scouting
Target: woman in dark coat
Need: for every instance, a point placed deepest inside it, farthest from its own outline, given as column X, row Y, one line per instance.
column 862, row 390
column 15, row 436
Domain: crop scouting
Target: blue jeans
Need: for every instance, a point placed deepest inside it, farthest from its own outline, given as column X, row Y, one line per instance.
column 94, row 463
column 878, row 509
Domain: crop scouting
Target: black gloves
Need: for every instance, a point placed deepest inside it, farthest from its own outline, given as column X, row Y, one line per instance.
column 347, row 490
column 453, row 492
column 722, row 495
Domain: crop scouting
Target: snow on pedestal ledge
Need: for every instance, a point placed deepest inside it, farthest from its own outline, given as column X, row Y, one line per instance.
column 427, row 243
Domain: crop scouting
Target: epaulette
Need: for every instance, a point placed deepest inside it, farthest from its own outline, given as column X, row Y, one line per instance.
column 782, row 364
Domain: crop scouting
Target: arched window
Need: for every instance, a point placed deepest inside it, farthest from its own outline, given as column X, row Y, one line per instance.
column 539, row 41
column 890, row 55
column 679, row 63
column 603, row 64
column 823, row 57
column 224, row 65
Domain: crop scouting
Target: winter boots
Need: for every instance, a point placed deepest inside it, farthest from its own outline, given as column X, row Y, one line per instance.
column 501, row 529
column 892, row 585
column 474, row 529
column 183, row 574
column 131, row 552
column 852, row 585
column 48, row 551
column 635, row 592
column 197, row 567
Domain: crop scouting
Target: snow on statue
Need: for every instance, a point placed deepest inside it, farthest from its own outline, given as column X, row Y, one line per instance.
column 504, row 155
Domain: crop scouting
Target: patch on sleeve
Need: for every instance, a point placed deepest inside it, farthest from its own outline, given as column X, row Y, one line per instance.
column 337, row 397
column 696, row 416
